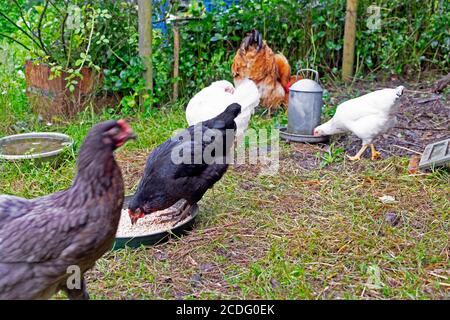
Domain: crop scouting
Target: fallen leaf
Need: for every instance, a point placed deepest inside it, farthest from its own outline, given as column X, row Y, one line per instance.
column 413, row 166
column 387, row 199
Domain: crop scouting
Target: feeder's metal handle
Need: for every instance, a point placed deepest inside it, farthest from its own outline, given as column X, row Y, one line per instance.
column 310, row 70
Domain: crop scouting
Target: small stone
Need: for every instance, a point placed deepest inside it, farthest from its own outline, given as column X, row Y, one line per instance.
column 274, row 283
column 246, row 185
column 160, row 255
column 392, row 218
column 206, row 267
column 196, row 279
column 178, row 295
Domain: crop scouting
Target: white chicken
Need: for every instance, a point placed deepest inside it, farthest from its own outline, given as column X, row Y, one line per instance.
column 367, row 117
column 214, row 99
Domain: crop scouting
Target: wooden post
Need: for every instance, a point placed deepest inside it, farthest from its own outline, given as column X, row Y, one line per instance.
column 349, row 40
column 145, row 42
column 176, row 59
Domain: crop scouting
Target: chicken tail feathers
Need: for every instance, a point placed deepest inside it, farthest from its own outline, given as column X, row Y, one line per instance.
column 399, row 90
column 284, row 70
column 253, row 39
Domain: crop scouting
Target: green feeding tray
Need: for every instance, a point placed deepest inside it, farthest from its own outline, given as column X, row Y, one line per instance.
column 155, row 237
column 436, row 154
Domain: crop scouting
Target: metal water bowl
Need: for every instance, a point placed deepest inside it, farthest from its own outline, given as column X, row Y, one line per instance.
column 51, row 153
column 305, row 110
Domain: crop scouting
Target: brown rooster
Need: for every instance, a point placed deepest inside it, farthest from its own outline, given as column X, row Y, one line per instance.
column 271, row 72
column 46, row 241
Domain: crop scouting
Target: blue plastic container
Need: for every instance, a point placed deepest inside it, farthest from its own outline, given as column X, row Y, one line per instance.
column 210, row 5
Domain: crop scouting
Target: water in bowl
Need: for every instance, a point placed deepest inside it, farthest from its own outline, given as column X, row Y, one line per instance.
column 31, row 146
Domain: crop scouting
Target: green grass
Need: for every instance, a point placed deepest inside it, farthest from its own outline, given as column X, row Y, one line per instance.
column 300, row 234
column 283, row 237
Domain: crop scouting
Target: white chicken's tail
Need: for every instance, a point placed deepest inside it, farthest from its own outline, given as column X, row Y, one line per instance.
column 399, row 90
column 247, row 95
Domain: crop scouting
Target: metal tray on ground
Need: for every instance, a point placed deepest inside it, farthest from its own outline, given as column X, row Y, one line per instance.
column 44, row 155
column 155, row 237
column 301, row 138
column 436, row 154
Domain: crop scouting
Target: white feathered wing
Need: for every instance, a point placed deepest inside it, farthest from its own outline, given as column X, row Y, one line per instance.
column 213, row 100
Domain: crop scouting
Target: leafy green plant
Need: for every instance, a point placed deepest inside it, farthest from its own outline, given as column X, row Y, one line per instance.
column 332, row 155
column 128, row 79
column 71, row 35
column 328, row 109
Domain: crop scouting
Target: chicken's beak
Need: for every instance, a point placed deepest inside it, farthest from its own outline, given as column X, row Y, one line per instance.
column 135, row 216
column 132, row 136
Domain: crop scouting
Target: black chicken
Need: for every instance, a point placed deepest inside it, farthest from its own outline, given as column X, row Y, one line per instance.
column 46, row 240
column 167, row 180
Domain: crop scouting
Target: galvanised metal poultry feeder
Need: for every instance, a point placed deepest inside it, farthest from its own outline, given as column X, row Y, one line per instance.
column 304, row 110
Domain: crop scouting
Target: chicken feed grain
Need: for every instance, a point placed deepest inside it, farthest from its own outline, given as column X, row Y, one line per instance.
column 151, row 223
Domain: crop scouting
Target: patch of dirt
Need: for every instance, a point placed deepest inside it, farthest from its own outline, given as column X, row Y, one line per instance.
column 132, row 165
column 305, row 155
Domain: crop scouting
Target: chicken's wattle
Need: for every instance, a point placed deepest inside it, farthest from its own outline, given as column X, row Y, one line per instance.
column 286, row 87
column 135, row 216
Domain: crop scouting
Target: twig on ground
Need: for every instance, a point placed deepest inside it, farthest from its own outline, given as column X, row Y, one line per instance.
column 423, row 101
column 407, row 142
column 422, row 129
column 404, row 148
column 417, row 91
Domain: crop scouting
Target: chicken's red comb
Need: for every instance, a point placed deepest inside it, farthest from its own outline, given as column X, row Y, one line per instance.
column 124, row 126
column 122, row 123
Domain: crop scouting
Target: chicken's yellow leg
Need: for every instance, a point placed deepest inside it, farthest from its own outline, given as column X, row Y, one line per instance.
column 375, row 153
column 358, row 155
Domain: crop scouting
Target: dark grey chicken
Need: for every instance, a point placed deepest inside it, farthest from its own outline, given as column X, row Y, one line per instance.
column 167, row 180
column 46, row 240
